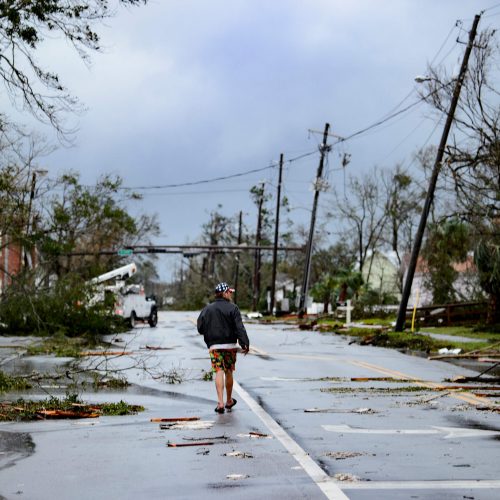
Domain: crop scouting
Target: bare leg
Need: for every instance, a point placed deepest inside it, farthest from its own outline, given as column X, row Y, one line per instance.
column 219, row 386
column 229, row 386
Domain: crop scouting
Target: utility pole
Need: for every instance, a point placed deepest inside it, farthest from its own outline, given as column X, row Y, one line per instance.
column 237, row 270
column 256, row 269
column 433, row 180
column 324, row 149
column 276, row 234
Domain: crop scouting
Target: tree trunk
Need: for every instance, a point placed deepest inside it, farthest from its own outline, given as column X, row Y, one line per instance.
column 493, row 314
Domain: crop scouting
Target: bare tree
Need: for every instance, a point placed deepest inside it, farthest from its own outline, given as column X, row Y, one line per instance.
column 472, row 162
column 24, row 24
column 403, row 203
column 362, row 211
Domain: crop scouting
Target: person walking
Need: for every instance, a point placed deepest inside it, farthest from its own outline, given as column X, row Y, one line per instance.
column 222, row 328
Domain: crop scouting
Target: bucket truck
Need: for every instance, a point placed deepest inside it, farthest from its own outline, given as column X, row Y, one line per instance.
column 131, row 302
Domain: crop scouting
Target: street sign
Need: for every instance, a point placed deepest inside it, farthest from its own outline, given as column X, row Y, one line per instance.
column 125, row 251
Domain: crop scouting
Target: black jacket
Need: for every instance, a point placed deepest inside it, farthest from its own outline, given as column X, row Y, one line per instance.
column 220, row 323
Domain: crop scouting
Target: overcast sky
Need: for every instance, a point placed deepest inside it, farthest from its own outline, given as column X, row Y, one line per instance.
column 187, row 90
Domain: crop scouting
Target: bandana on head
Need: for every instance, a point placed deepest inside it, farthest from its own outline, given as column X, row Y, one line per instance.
column 223, row 287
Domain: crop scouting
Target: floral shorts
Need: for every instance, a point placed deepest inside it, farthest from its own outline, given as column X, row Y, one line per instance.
column 223, row 359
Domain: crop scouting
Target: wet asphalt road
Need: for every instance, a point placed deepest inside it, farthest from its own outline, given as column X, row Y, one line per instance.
column 382, row 439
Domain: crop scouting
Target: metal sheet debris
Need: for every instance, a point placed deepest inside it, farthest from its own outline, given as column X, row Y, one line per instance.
column 235, row 477
column 338, row 410
column 199, row 424
column 238, row 454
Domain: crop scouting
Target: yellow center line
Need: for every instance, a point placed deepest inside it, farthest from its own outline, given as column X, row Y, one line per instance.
column 468, row 398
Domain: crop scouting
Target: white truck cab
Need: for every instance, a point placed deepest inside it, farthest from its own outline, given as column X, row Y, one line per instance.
column 131, row 302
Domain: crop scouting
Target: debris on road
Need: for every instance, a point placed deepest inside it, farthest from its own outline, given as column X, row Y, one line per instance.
column 175, row 419
column 183, row 445
column 435, row 396
column 238, row 454
column 210, row 438
column 105, row 353
column 235, row 477
column 383, row 379
column 487, row 351
column 445, row 350
column 345, row 477
column 67, row 414
column 53, row 408
column 258, row 434
column 338, row 410
column 155, row 348
column 342, row 455
column 188, row 425
column 255, row 435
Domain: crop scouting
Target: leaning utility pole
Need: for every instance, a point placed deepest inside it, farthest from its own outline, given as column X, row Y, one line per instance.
column 432, row 182
column 276, row 234
column 324, row 148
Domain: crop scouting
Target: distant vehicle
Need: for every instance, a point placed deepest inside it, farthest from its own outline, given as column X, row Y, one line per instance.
column 131, row 302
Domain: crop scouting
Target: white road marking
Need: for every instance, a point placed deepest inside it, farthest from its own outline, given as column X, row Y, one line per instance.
column 424, row 485
column 323, row 480
column 451, row 432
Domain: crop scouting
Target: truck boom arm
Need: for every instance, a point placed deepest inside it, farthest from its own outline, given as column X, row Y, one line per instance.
column 122, row 273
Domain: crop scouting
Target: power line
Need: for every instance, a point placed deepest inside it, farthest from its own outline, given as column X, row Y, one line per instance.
column 216, row 179
column 495, row 6
column 390, row 117
column 444, row 43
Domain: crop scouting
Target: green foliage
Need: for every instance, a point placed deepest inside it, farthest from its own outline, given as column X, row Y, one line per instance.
column 487, row 260
column 65, row 309
column 24, row 25
column 10, row 383
column 120, row 408
column 447, row 243
column 61, row 346
column 89, row 219
column 28, row 410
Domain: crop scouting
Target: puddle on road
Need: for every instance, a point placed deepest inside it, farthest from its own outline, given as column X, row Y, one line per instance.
column 151, row 391
column 14, row 446
column 470, row 423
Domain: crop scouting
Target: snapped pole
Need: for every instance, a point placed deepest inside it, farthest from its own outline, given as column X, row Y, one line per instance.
column 307, row 266
column 400, row 323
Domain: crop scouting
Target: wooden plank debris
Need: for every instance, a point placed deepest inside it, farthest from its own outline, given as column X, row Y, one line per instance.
column 66, row 414
column 106, row 353
column 175, row 419
column 182, row 445
column 382, row 379
column 156, row 348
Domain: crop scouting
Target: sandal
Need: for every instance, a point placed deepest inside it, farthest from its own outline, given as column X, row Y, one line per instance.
column 229, row 406
column 219, row 409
